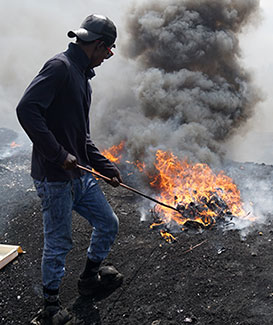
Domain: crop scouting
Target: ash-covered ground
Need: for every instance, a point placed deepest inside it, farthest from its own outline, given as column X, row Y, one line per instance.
column 227, row 279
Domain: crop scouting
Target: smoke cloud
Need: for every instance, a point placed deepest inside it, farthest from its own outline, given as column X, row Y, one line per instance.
column 191, row 90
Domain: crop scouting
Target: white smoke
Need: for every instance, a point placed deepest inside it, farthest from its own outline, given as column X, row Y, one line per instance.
column 255, row 184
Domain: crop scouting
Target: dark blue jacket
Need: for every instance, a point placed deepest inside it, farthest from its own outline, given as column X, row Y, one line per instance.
column 54, row 112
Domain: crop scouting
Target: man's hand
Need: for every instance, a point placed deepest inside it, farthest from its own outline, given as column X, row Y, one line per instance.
column 70, row 162
column 115, row 181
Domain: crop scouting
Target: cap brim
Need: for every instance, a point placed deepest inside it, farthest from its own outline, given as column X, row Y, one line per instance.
column 84, row 35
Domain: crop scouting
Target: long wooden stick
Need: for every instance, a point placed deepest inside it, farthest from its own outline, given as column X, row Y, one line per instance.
column 127, row 187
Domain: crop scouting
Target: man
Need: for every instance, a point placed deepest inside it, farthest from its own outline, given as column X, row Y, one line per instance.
column 54, row 112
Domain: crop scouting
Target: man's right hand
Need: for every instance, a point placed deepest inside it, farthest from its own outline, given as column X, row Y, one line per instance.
column 116, row 180
column 70, row 162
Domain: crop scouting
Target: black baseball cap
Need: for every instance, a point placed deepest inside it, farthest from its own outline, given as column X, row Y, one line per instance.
column 96, row 27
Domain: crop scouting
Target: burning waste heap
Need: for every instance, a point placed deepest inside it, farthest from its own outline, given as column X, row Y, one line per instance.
column 200, row 196
column 196, row 195
column 192, row 94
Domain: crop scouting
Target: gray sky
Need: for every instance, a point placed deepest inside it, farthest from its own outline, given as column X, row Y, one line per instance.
column 256, row 141
column 257, row 47
column 33, row 31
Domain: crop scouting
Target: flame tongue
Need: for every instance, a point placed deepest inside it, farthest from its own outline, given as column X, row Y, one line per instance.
column 198, row 193
column 114, row 153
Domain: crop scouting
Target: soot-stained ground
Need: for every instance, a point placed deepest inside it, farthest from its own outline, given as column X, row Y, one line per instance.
column 210, row 277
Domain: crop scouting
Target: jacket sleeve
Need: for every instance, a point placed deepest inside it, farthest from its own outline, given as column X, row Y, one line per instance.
column 31, row 110
column 99, row 162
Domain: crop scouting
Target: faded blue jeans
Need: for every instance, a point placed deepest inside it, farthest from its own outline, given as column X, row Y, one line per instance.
column 58, row 200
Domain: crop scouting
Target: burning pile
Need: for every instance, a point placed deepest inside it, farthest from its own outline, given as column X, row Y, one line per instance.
column 201, row 197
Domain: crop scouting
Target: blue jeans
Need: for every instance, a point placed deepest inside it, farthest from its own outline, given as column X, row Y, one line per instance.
column 58, row 200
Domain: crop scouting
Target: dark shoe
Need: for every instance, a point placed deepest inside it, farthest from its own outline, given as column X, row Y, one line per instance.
column 106, row 280
column 52, row 315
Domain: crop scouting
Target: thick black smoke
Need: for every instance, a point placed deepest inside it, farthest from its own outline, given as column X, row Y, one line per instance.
column 192, row 92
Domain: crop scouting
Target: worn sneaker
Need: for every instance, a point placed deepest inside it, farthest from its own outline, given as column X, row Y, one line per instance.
column 102, row 283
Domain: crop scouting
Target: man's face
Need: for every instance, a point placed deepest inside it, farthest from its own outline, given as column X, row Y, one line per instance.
column 101, row 52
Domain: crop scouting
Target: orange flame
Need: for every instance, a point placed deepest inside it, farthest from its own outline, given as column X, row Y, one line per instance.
column 182, row 183
column 167, row 236
column 114, row 153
